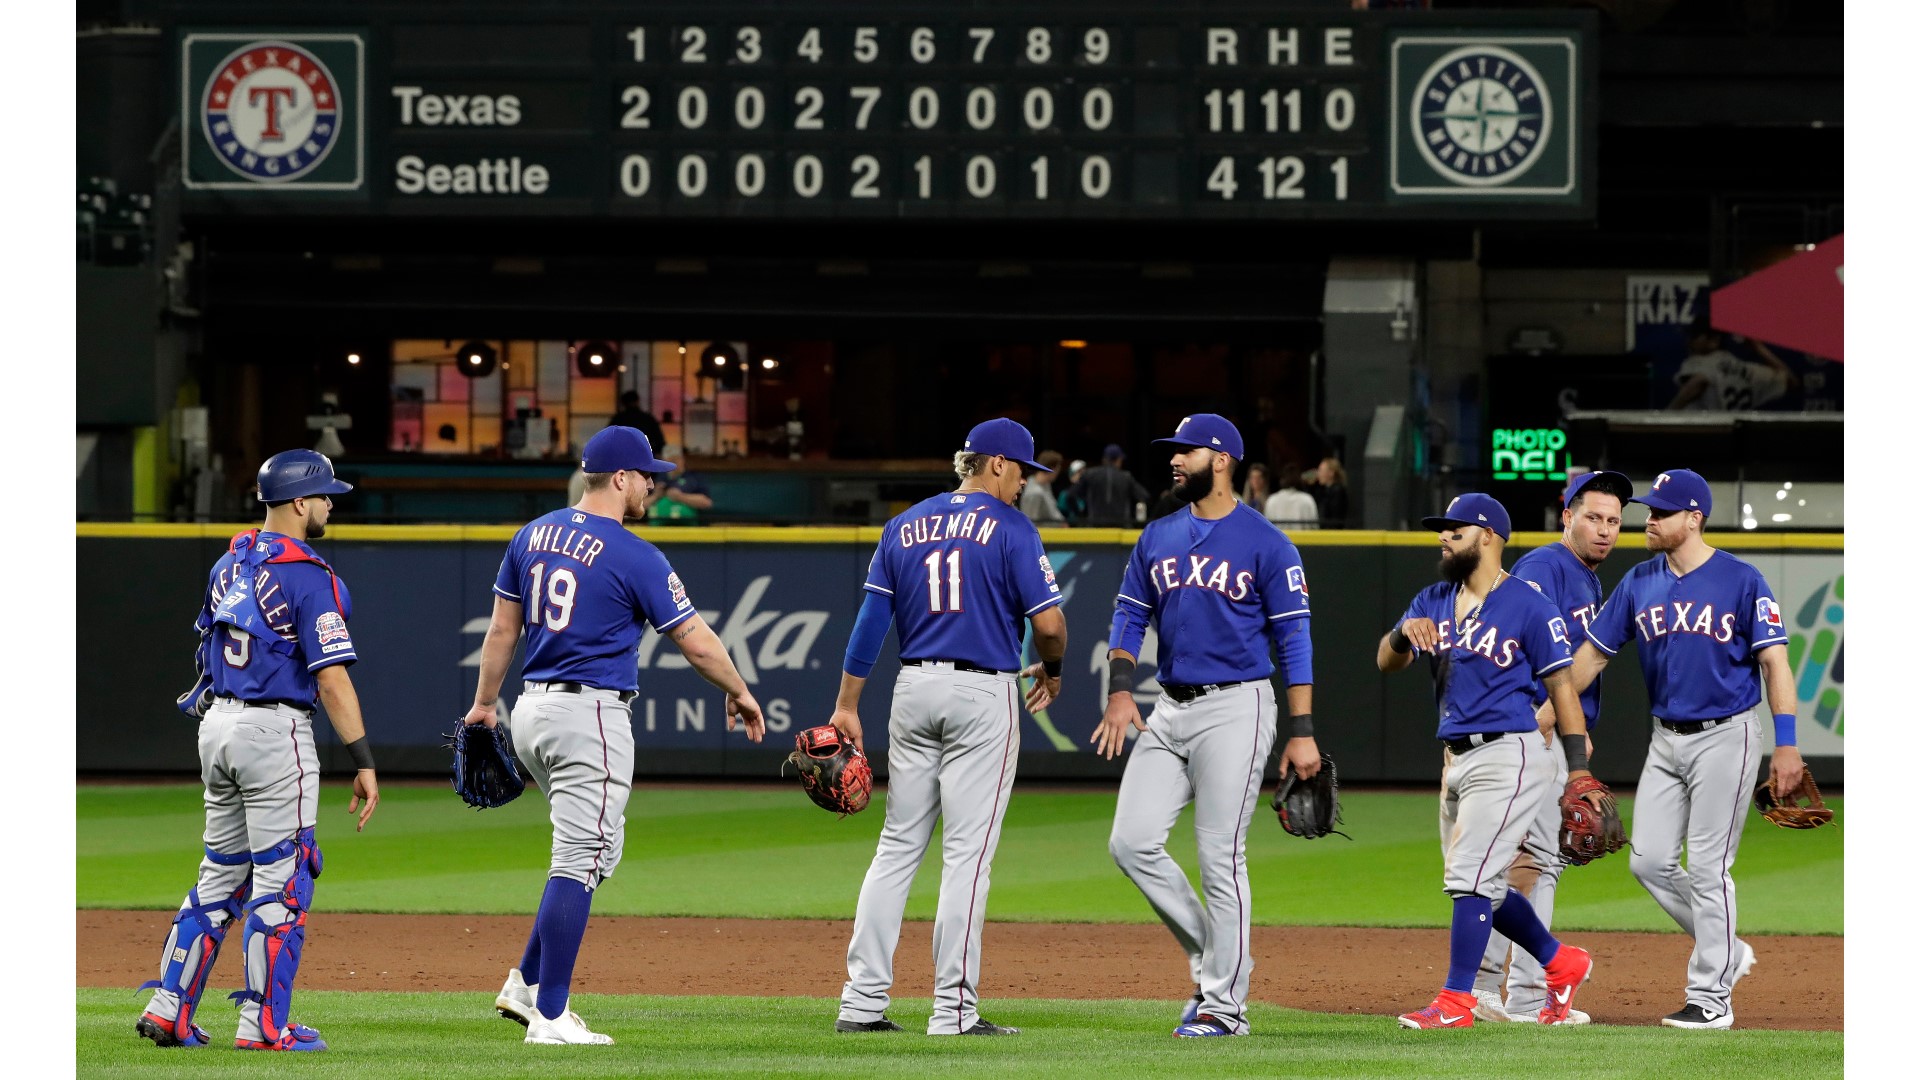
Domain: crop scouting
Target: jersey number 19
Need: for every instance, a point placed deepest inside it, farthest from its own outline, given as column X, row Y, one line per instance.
column 557, row 608
column 952, row 583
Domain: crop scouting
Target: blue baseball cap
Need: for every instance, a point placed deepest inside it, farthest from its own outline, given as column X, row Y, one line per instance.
column 1473, row 508
column 617, row 448
column 1007, row 438
column 1582, row 481
column 1209, row 430
column 1679, row 489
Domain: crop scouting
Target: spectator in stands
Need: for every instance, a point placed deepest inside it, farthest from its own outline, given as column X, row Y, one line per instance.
column 1113, row 497
column 1330, row 492
column 633, row 416
column 1715, row 380
column 1074, row 510
column 678, row 496
column 1037, row 500
column 1290, row 507
column 1258, row 487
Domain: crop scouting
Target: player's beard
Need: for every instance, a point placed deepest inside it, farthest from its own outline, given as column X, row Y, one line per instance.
column 1458, row 566
column 1195, row 486
column 316, row 529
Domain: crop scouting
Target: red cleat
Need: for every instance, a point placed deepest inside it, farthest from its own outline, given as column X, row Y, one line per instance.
column 1452, row 1009
column 1570, row 967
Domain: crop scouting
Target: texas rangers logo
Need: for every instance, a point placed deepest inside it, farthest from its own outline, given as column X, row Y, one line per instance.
column 1768, row 612
column 676, row 589
column 1557, row 627
column 1297, row 580
column 1046, row 568
column 1481, row 115
column 330, row 627
column 271, row 110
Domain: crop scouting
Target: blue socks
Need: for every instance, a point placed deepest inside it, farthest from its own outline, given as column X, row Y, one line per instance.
column 1472, row 926
column 557, row 930
column 1517, row 921
column 530, row 960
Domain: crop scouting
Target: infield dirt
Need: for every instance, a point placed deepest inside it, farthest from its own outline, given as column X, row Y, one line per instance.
column 1797, row 984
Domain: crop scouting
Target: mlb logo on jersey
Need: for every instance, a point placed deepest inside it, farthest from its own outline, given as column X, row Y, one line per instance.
column 1297, row 580
column 1767, row 611
column 330, row 627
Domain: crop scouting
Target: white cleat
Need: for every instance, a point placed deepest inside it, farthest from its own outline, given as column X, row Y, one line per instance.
column 1574, row 1016
column 567, row 1029
column 1488, row 1006
column 517, row 998
column 1743, row 963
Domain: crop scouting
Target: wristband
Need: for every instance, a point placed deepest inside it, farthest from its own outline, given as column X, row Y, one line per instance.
column 1119, row 676
column 1052, row 667
column 361, row 753
column 1398, row 642
column 1783, row 729
column 1575, row 747
column 1302, row 726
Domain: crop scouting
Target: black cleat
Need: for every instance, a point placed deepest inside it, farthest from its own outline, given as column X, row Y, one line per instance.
column 882, row 1024
column 1696, row 1018
column 984, row 1027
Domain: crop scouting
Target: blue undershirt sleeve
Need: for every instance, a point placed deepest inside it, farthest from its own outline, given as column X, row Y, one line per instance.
column 1295, row 646
column 869, row 634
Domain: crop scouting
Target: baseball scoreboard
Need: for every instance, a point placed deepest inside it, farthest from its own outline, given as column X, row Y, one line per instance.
column 1044, row 110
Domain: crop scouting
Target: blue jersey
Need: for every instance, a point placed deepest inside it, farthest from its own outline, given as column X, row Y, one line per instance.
column 1575, row 591
column 1486, row 664
column 1215, row 591
column 273, row 614
column 586, row 585
column 1700, row 635
column 964, row 570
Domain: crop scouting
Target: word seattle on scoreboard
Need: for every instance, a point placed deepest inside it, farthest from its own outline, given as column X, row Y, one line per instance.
column 930, row 111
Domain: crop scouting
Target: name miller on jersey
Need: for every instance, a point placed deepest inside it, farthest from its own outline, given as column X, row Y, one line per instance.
column 575, row 544
column 1222, row 579
column 925, row 530
column 1653, row 623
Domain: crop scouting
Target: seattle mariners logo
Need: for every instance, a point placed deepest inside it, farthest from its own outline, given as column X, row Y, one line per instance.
column 1481, row 115
column 271, row 111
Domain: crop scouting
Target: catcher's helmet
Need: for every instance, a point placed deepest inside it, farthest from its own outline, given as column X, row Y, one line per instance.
column 298, row 474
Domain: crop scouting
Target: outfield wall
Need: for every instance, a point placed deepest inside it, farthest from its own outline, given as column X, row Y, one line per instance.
column 784, row 601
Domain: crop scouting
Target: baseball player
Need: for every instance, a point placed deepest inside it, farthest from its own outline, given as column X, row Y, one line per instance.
column 273, row 640
column 1487, row 641
column 1706, row 623
column 1220, row 583
column 1564, row 574
column 581, row 586
column 957, row 574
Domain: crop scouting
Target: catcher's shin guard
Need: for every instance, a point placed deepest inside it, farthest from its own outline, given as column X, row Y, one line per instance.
column 193, row 943
column 276, row 929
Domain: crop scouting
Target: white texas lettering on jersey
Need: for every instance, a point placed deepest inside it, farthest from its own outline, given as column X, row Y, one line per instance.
column 1660, row 620
column 1483, row 638
column 1201, row 572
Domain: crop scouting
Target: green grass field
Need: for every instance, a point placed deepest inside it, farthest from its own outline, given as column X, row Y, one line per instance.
column 766, row 852
column 455, row 1036
column 721, row 851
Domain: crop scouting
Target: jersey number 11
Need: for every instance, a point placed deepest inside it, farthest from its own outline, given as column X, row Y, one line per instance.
column 953, row 581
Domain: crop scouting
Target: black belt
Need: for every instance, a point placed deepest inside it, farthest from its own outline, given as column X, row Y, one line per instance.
column 1693, row 727
column 1184, row 693
column 1462, row 745
column 271, row 703
column 534, row 687
column 958, row 665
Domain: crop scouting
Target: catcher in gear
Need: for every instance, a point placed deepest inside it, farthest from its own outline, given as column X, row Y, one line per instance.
column 484, row 770
column 833, row 770
column 1788, row 812
column 1309, row 808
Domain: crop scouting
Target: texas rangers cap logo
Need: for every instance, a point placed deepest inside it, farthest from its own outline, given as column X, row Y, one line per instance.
column 1481, row 115
column 271, row 111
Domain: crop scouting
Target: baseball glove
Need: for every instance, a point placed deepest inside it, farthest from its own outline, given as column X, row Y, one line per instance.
column 1310, row 808
column 835, row 773
column 1790, row 814
column 484, row 770
column 1586, row 833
